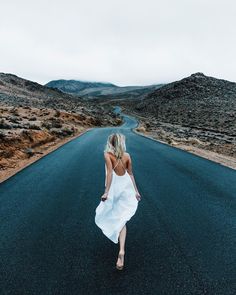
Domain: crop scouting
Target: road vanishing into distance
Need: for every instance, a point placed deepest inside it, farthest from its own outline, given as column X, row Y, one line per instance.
column 182, row 239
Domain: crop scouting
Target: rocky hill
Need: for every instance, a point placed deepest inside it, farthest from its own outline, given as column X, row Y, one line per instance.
column 33, row 117
column 96, row 90
column 16, row 91
column 19, row 92
column 198, row 101
column 197, row 106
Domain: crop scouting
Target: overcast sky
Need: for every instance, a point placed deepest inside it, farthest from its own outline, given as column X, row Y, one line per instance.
column 126, row 42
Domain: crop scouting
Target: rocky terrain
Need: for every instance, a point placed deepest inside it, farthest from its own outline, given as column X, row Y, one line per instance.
column 100, row 91
column 197, row 111
column 35, row 119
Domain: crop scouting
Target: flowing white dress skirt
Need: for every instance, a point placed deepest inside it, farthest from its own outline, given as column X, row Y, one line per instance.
column 121, row 204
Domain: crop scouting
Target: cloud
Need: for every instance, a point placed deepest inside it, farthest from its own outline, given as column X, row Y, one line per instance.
column 123, row 42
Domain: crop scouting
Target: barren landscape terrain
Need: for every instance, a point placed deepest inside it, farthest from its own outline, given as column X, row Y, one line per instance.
column 197, row 113
column 34, row 120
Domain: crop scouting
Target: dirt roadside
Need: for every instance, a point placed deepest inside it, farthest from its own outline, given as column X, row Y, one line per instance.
column 45, row 149
column 213, row 156
column 207, row 154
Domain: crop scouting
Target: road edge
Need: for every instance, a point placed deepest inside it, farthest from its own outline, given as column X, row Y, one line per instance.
column 162, row 142
column 54, row 148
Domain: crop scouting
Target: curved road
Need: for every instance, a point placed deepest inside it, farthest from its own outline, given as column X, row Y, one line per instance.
column 182, row 239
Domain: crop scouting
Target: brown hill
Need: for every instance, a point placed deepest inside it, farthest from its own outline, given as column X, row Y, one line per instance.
column 34, row 118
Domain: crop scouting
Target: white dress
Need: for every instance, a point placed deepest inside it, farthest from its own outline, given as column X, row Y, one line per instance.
column 120, row 205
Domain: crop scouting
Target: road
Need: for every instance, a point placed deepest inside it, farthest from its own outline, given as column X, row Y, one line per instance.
column 182, row 239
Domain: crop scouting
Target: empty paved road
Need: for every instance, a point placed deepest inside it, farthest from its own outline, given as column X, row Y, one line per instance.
column 182, row 239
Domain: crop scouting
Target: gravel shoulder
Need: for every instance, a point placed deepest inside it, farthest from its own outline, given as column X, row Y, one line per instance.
column 181, row 143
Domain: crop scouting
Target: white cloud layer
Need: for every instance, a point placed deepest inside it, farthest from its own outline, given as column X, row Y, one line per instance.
column 126, row 42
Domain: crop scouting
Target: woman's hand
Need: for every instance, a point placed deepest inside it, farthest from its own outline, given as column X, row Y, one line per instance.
column 138, row 197
column 104, row 197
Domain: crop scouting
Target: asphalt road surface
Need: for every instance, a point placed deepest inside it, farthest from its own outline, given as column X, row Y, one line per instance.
column 182, row 239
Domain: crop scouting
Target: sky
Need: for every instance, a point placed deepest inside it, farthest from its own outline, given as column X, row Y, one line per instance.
column 125, row 42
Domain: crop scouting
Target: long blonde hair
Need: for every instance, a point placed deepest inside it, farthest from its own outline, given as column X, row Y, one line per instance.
column 116, row 144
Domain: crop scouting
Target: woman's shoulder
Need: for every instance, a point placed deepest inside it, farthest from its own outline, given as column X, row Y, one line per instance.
column 108, row 154
column 127, row 155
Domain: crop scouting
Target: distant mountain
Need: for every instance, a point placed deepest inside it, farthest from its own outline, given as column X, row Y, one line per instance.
column 99, row 90
column 76, row 86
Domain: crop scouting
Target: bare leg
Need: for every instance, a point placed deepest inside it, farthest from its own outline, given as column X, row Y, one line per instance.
column 122, row 236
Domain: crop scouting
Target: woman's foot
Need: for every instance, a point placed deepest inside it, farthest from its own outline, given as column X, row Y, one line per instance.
column 120, row 260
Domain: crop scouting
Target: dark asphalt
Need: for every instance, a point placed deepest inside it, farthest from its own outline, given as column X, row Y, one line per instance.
column 182, row 239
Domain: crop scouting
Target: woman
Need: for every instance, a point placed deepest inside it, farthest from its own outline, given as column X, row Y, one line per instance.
column 120, row 199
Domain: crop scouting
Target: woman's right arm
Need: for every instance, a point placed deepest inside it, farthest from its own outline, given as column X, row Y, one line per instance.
column 130, row 171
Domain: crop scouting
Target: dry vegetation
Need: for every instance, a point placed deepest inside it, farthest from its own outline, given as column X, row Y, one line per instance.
column 35, row 120
column 27, row 133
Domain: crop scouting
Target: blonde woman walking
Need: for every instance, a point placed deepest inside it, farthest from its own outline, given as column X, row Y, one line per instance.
column 120, row 199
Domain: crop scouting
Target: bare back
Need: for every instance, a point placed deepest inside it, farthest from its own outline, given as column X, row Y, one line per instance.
column 120, row 166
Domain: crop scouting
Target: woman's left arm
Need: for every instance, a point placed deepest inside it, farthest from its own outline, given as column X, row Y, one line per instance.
column 109, row 173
